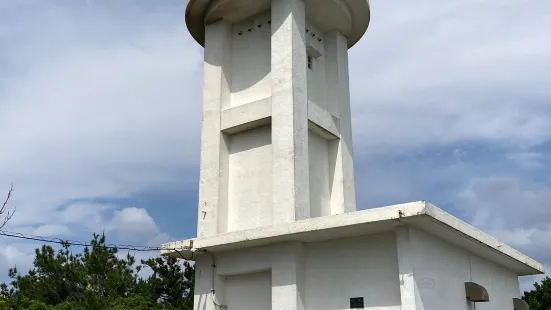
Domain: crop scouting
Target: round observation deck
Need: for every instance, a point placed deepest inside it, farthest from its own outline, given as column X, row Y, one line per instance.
column 349, row 17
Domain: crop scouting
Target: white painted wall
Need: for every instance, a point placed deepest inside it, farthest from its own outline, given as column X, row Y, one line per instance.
column 441, row 269
column 353, row 267
column 249, row 291
column 320, row 192
column 338, row 104
column 245, row 176
column 327, row 274
column 316, row 82
column 215, row 98
column 291, row 192
column 251, row 61
column 316, row 75
column 502, row 284
column 267, row 176
column 250, row 179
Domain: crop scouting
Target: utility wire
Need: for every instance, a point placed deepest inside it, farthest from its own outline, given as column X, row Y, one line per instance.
column 138, row 248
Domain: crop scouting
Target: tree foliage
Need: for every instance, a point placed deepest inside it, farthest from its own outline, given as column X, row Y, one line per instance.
column 98, row 278
column 540, row 297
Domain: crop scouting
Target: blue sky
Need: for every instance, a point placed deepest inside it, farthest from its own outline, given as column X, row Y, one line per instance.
column 100, row 117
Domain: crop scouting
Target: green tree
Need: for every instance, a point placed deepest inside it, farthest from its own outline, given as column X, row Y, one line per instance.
column 135, row 302
column 69, row 305
column 540, row 297
column 38, row 305
column 107, row 276
column 4, row 304
column 54, row 278
column 171, row 283
column 98, row 278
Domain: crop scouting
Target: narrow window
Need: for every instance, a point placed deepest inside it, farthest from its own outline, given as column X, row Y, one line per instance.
column 310, row 63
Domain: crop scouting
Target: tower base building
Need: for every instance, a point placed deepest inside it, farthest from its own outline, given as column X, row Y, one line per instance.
column 412, row 256
column 277, row 220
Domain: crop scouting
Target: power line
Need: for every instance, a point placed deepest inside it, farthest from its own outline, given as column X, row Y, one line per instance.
column 138, row 248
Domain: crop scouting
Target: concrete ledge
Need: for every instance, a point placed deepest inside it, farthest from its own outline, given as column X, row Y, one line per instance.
column 350, row 17
column 247, row 116
column 456, row 226
column 322, row 122
column 259, row 113
column 421, row 215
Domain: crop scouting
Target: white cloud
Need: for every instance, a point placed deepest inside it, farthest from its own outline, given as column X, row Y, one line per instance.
column 96, row 118
column 49, row 230
column 503, row 203
column 16, row 255
column 89, row 214
column 133, row 225
column 433, row 72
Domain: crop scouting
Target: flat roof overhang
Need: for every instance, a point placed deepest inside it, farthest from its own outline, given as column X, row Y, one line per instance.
column 421, row 215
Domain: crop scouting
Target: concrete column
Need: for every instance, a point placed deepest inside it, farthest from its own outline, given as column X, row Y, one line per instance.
column 343, row 195
column 288, row 277
column 205, row 280
column 216, row 97
column 291, row 193
column 411, row 299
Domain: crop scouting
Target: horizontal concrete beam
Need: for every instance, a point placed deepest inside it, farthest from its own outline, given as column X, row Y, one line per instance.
column 259, row 113
column 421, row 215
column 247, row 116
column 322, row 122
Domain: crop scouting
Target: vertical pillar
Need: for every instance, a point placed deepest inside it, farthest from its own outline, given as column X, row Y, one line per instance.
column 343, row 196
column 291, row 193
column 216, row 97
column 288, row 277
column 205, row 280
column 409, row 292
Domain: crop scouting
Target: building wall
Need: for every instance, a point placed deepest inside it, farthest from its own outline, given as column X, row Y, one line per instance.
column 353, row 267
column 325, row 275
column 251, row 61
column 250, row 65
column 320, row 191
column 331, row 272
column 502, row 284
column 441, row 269
column 249, row 291
column 316, row 74
column 244, row 174
column 250, row 179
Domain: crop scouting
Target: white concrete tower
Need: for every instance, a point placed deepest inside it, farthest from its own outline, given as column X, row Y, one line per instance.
column 276, row 141
column 278, row 227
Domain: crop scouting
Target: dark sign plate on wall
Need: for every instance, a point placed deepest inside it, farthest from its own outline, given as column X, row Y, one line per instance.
column 357, row 303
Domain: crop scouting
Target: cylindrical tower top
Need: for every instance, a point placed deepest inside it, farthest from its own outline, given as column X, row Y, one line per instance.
column 349, row 17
